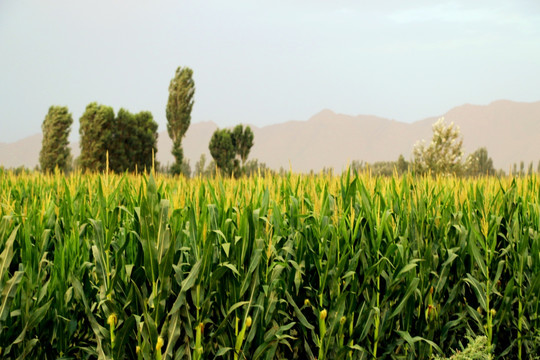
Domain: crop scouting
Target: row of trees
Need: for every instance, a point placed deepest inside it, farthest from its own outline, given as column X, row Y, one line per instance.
column 515, row 170
column 128, row 142
column 250, row 168
column 227, row 147
column 125, row 142
column 442, row 156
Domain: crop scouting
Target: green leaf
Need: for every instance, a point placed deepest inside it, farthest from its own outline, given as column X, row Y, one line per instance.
column 186, row 284
column 236, row 306
column 8, row 293
column 412, row 287
column 412, row 340
column 7, row 255
column 478, row 290
column 231, row 266
column 173, row 331
column 298, row 312
column 223, row 350
column 123, row 337
column 408, row 268
column 226, row 248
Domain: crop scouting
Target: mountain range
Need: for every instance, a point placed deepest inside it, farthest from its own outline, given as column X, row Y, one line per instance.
column 509, row 130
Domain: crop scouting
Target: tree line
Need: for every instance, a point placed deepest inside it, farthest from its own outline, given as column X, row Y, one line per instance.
column 128, row 142
column 442, row 156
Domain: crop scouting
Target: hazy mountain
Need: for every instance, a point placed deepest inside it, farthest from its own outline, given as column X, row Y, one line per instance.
column 24, row 152
column 509, row 130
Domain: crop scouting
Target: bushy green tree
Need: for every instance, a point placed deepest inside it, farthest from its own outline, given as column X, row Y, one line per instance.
column 225, row 145
column 179, row 106
column 133, row 144
column 242, row 141
column 120, row 141
column 54, row 146
column 443, row 155
column 95, row 128
column 148, row 137
column 223, row 151
column 130, row 140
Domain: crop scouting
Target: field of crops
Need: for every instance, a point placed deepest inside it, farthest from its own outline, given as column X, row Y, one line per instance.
column 306, row 267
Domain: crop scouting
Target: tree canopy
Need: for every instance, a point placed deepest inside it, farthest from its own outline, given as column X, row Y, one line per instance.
column 223, row 151
column 95, row 129
column 443, row 155
column 242, row 141
column 133, row 142
column 129, row 139
column 178, row 111
column 225, row 145
column 55, row 151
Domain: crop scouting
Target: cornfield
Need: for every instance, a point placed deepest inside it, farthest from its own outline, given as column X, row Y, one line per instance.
column 294, row 267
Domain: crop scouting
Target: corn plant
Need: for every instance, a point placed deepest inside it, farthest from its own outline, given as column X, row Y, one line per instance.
column 271, row 267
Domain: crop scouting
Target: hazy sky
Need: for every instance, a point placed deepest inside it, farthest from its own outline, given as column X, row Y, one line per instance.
column 264, row 62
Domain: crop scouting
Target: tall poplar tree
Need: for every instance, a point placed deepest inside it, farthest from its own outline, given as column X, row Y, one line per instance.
column 54, row 146
column 179, row 106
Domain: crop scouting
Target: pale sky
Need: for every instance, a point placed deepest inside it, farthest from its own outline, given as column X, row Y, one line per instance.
column 266, row 62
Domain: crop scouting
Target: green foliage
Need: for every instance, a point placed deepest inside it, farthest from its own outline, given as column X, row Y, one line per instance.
column 443, row 155
column 225, row 145
column 479, row 163
column 242, row 140
column 55, row 151
column 351, row 267
column 130, row 140
column 382, row 168
column 145, row 148
column 133, row 142
column 96, row 127
column 223, row 151
column 178, row 111
column 478, row 349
